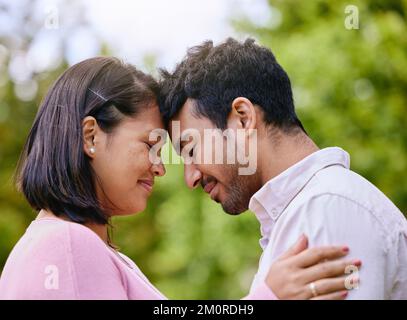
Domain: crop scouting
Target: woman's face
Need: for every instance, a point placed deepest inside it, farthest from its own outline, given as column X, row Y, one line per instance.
column 125, row 174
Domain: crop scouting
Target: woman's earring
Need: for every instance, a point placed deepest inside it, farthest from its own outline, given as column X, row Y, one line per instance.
column 92, row 150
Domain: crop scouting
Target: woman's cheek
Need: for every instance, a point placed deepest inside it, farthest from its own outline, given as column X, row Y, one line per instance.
column 149, row 157
column 141, row 161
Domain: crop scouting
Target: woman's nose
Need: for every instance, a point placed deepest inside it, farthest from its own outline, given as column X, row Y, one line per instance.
column 192, row 175
column 159, row 170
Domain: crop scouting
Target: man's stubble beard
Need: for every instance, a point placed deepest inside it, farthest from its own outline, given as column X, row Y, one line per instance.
column 240, row 188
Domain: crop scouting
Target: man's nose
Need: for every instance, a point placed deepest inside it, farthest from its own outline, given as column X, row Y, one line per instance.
column 192, row 175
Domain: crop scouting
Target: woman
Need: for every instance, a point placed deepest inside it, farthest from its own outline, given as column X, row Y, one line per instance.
column 86, row 159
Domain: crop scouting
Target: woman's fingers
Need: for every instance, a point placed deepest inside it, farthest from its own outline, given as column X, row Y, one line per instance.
column 332, row 296
column 296, row 248
column 313, row 256
column 332, row 285
column 290, row 276
column 329, row 269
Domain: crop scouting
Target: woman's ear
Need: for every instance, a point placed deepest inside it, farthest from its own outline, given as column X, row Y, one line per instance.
column 89, row 131
column 242, row 115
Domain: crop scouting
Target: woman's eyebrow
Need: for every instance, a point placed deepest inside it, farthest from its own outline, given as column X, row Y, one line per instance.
column 157, row 138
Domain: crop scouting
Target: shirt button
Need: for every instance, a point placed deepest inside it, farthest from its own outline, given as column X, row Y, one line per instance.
column 274, row 214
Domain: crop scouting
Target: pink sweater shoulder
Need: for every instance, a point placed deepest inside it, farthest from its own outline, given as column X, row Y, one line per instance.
column 56, row 259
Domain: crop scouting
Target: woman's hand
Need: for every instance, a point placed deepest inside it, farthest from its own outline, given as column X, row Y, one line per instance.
column 315, row 273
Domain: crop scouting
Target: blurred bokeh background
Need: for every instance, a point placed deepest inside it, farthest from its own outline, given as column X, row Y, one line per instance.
column 350, row 88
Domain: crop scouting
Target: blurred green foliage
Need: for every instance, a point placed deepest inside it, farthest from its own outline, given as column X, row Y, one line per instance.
column 350, row 90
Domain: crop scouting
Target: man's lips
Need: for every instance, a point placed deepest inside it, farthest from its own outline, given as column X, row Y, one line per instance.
column 147, row 184
column 209, row 186
column 212, row 189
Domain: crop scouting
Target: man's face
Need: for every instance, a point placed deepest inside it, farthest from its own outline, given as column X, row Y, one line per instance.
column 208, row 164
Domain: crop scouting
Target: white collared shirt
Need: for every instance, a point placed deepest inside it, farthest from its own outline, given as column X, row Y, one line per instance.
column 332, row 205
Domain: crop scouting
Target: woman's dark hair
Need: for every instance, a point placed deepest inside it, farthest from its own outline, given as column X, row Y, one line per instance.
column 215, row 75
column 53, row 172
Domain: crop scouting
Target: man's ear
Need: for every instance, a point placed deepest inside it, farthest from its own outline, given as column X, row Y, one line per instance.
column 90, row 129
column 242, row 115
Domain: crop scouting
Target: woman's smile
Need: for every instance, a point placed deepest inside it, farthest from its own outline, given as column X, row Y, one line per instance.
column 146, row 184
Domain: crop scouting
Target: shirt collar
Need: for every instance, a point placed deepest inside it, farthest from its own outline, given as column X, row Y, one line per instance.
column 270, row 201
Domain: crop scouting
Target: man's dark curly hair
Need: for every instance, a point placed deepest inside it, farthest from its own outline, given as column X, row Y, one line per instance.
column 215, row 75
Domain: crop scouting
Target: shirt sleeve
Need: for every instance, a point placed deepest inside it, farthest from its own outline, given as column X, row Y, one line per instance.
column 400, row 286
column 261, row 292
column 334, row 220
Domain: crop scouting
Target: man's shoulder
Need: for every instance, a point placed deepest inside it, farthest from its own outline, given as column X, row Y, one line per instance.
column 347, row 190
column 350, row 187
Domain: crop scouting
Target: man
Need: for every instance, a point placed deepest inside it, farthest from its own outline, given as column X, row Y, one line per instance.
column 295, row 187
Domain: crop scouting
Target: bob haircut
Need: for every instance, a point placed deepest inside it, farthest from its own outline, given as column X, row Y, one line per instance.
column 53, row 172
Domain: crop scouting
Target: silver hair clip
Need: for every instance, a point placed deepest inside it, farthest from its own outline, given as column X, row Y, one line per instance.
column 101, row 97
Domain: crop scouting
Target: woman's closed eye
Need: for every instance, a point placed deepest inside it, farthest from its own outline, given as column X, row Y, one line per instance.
column 154, row 147
column 149, row 145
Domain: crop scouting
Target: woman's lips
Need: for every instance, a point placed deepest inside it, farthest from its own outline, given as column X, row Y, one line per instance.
column 147, row 185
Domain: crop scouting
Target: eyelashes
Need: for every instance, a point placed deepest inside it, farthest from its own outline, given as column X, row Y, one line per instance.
column 150, row 146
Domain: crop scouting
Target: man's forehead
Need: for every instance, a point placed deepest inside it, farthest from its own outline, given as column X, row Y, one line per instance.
column 187, row 118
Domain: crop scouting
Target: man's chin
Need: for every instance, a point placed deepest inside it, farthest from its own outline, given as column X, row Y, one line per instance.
column 232, row 210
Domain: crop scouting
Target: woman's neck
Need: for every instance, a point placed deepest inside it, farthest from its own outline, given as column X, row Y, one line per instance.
column 99, row 229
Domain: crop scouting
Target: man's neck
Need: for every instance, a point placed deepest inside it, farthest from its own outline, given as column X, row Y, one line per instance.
column 285, row 153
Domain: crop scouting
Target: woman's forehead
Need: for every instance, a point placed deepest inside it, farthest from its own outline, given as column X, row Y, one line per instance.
column 144, row 122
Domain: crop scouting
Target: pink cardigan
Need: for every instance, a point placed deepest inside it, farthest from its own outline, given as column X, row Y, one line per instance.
column 57, row 259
